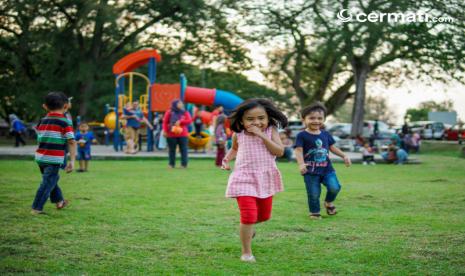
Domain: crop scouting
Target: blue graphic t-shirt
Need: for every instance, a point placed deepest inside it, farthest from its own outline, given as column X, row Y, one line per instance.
column 84, row 141
column 316, row 151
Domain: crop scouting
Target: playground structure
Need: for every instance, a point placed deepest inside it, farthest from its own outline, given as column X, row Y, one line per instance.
column 158, row 97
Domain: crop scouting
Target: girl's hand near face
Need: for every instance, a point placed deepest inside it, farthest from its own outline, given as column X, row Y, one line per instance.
column 255, row 130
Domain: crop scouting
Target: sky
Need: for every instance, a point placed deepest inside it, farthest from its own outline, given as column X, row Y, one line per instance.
column 410, row 95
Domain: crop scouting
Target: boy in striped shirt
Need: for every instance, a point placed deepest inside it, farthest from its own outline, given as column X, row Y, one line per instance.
column 54, row 132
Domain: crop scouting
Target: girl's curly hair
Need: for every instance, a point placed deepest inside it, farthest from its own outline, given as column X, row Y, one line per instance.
column 276, row 117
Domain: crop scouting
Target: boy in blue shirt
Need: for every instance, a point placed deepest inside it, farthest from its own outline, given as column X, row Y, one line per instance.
column 84, row 139
column 312, row 148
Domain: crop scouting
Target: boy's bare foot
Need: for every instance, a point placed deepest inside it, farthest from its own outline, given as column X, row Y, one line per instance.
column 62, row 204
column 37, row 212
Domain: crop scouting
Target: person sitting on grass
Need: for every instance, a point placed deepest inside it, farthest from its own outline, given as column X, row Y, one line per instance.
column 394, row 154
column 312, row 148
column 85, row 139
column 368, row 154
column 54, row 132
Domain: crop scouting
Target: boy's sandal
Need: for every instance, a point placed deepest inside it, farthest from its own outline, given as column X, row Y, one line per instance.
column 37, row 212
column 315, row 216
column 62, row 204
column 331, row 210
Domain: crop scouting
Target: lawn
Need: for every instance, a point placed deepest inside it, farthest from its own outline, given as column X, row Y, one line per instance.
column 135, row 217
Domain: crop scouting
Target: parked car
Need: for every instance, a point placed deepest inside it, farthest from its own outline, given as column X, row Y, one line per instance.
column 341, row 130
column 383, row 128
column 453, row 133
column 428, row 129
column 295, row 127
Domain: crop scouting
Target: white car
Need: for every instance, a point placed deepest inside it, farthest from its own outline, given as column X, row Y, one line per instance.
column 429, row 129
column 295, row 127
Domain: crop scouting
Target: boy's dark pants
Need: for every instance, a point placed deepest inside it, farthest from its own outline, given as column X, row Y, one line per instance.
column 18, row 139
column 49, row 187
column 313, row 186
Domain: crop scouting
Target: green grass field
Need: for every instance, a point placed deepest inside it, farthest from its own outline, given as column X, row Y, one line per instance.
column 135, row 217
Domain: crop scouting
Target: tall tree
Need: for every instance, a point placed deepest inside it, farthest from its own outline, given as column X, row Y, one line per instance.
column 301, row 61
column 320, row 58
column 421, row 112
column 370, row 45
column 71, row 45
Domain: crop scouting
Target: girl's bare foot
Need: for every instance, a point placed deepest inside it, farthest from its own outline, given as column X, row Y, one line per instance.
column 248, row 258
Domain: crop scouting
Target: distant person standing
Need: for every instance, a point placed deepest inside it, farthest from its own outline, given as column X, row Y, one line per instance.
column 376, row 128
column 85, row 139
column 134, row 118
column 198, row 124
column 68, row 108
column 175, row 123
column 70, row 118
column 220, row 139
column 405, row 128
column 17, row 129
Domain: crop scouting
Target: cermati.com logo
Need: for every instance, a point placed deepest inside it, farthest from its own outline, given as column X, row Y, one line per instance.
column 345, row 15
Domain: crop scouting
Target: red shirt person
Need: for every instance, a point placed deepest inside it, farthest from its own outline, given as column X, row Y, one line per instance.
column 175, row 124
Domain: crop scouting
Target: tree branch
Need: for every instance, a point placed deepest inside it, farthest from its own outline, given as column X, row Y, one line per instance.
column 131, row 36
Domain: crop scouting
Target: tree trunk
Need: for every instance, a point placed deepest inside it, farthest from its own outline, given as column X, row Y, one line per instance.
column 361, row 70
column 85, row 89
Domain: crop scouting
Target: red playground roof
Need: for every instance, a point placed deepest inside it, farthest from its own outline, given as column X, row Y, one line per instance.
column 135, row 60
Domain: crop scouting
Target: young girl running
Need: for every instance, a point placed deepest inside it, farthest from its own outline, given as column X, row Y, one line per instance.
column 255, row 178
column 220, row 139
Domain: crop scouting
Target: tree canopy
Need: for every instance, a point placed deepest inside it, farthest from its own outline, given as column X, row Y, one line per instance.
column 71, row 45
column 320, row 58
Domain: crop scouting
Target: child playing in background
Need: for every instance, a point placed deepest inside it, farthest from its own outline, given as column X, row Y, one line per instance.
column 368, row 154
column 54, row 132
column 85, row 139
column 312, row 148
column 255, row 178
column 198, row 124
column 220, row 139
column 287, row 143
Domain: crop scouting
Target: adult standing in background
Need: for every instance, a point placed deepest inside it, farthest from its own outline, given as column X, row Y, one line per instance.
column 375, row 129
column 17, row 129
column 175, row 123
column 134, row 119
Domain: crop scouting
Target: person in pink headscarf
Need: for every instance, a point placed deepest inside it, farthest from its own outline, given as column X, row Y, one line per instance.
column 175, row 123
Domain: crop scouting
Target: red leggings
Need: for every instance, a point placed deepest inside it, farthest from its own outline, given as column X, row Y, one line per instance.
column 254, row 209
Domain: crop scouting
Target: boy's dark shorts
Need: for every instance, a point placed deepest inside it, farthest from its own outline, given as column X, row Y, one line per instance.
column 83, row 155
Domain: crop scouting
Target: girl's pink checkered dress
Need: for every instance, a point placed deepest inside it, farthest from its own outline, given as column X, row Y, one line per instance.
column 255, row 172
